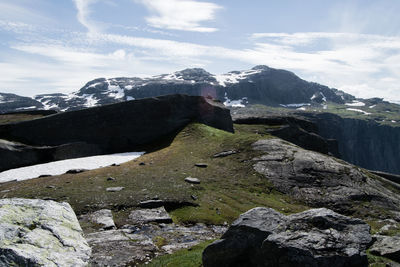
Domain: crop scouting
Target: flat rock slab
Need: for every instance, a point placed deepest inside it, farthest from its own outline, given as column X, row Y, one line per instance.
column 317, row 237
column 387, row 246
column 134, row 245
column 159, row 215
column 115, row 189
column 192, row 180
column 225, row 153
column 35, row 232
column 102, row 217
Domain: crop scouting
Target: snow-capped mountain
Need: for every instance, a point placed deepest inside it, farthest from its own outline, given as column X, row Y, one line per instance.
column 260, row 85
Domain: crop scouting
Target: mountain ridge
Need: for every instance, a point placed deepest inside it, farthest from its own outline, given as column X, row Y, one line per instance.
column 259, row 85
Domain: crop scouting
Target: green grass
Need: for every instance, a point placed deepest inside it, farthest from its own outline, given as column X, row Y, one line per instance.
column 7, row 118
column 183, row 258
column 229, row 185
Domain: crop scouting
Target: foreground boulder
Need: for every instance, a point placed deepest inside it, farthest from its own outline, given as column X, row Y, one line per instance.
column 117, row 127
column 387, row 246
column 36, row 232
column 317, row 237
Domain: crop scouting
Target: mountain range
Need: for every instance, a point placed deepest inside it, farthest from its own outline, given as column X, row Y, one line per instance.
column 259, row 85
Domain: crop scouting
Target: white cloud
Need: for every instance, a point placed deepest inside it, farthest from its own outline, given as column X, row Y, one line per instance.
column 83, row 15
column 185, row 15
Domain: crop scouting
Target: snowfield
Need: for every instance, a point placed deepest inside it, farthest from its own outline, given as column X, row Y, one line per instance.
column 62, row 166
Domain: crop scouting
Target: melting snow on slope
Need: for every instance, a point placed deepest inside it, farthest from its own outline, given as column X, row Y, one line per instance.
column 90, row 100
column 240, row 103
column 114, row 91
column 62, row 166
column 358, row 110
column 372, row 106
column 295, row 105
column 25, row 108
column 234, row 77
column 355, row 104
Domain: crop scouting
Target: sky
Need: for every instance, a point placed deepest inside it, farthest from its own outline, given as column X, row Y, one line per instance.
column 51, row 46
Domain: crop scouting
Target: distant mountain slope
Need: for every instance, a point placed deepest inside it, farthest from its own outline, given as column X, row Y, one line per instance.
column 260, row 85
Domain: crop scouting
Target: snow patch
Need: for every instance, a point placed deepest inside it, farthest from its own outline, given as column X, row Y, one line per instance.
column 62, row 166
column 358, row 110
column 393, row 121
column 129, row 87
column 355, row 103
column 128, row 98
column 372, row 106
column 240, row 103
column 114, row 91
column 301, row 108
column 90, row 100
column 295, row 105
column 25, row 108
column 234, row 77
column 94, row 85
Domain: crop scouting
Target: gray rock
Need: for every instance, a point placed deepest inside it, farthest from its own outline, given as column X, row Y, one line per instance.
column 159, row 215
column 75, row 171
column 115, row 189
column 387, row 246
column 318, row 179
column 317, row 237
column 201, row 165
column 192, row 180
column 36, row 232
column 102, row 217
column 225, row 153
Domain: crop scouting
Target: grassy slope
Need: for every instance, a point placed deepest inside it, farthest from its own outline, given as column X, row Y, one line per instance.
column 229, row 185
column 7, row 118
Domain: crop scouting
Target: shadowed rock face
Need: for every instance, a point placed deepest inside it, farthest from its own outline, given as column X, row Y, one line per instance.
column 362, row 142
column 264, row 237
column 118, row 127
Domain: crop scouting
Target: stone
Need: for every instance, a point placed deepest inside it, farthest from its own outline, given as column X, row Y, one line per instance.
column 102, row 217
column 386, row 246
column 115, row 189
column 75, row 171
column 201, row 165
column 225, row 153
column 265, row 237
column 35, row 232
column 158, row 215
column 192, row 180
column 142, row 163
column 110, row 179
column 320, row 180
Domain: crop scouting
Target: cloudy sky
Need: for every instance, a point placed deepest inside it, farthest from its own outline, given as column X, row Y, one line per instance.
column 52, row 46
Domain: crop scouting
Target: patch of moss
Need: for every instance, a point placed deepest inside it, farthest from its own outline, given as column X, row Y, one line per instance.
column 183, row 258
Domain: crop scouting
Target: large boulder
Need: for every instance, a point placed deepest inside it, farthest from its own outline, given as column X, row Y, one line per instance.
column 317, row 237
column 117, row 127
column 387, row 246
column 36, row 232
column 320, row 180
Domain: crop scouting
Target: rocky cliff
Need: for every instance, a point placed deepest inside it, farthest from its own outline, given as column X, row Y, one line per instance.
column 108, row 129
column 362, row 142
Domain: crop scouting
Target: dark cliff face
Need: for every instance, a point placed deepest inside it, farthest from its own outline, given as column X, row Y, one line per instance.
column 118, row 127
column 362, row 142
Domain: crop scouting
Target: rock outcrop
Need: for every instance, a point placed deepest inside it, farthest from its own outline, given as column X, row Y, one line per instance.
column 387, row 246
column 264, row 237
column 365, row 143
column 294, row 129
column 320, row 180
column 36, row 232
column 114, row 128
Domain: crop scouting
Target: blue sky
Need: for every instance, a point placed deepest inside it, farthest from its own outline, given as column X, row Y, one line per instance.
column 50, row 46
